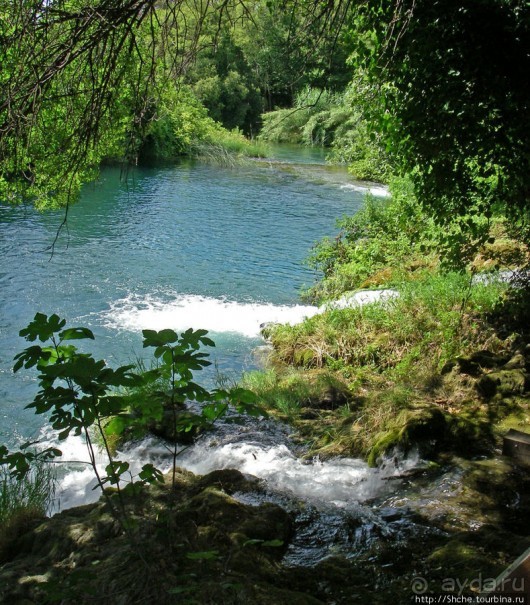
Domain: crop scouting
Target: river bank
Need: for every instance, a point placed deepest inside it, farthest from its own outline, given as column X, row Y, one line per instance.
column 352, row 382
column 220, row 539
column 437, row 359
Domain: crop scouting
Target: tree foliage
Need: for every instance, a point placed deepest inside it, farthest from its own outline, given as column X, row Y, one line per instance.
column 84, row 79
column 454, row 79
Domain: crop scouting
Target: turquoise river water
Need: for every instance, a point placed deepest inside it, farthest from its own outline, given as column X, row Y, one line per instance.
column 202, row 246
column 192, row 245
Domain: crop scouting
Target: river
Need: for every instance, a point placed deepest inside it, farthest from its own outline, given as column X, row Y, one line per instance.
column 191, row 245
column 204, row 246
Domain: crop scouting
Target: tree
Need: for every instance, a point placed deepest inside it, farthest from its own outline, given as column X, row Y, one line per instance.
column 454, row 81
column 80, row 76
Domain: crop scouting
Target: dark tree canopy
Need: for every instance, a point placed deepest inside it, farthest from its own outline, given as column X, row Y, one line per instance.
column 80, row 78
column 455, row 77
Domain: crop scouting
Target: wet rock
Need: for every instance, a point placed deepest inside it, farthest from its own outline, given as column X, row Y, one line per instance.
column 229, row 480
column 390, row 514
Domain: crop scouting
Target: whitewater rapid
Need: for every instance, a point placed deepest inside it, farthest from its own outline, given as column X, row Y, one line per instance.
column 220, row 315
column 340, row 483
column 261, row 450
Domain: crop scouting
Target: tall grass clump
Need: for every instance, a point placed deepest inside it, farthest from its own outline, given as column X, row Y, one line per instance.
column 227, row 148
column 429, row 321
column 287, row 391
column 23, row 500
column 391, row 356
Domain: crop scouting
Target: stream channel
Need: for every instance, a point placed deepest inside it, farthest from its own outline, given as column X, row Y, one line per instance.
column 202, row 246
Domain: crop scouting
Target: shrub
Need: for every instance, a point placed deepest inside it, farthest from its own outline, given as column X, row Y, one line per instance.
column 390, row 240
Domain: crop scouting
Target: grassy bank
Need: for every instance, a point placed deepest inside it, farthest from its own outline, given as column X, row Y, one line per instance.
column 442, row 364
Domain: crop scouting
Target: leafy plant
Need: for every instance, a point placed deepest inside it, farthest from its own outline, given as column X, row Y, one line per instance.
column 82, row 395
column 388, row 241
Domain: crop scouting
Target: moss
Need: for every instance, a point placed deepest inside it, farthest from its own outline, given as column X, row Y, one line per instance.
column 505, row 382
column 198, row 541
column 461, row 561
column 424, row 426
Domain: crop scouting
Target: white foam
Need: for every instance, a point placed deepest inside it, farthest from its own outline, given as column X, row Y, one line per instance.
column 76, row 480
column 220, row 315
column 363, row 297
column 191, row 311
column 375, row 190
column 340, row 482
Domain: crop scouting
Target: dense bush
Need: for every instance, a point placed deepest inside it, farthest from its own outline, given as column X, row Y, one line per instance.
column 389, row 240
column 333, row 120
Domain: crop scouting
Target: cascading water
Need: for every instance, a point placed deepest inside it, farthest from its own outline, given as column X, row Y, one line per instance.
column 330, row 500
column 190, row 246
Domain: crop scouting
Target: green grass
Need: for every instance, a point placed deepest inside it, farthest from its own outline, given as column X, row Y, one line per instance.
column 395, row 359
column 288, row 391
column 23, row 500
column 228, row 148
column 388, row 358
column 389, row 241
column 434, row 319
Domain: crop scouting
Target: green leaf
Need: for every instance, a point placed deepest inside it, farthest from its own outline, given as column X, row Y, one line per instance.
column 158, row 339
column 76, row 334
column 30, row 357
column 42, row 328
column 116, row 425
column 114, row 470
column 252, row 542
column 150, row 474
column 273, row 543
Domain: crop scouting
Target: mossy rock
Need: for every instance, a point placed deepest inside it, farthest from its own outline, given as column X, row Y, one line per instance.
column 228, row 480
column 459, row 560
column 504, row 382
column 423, row 427
column 198, row 542
column 475, row 363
